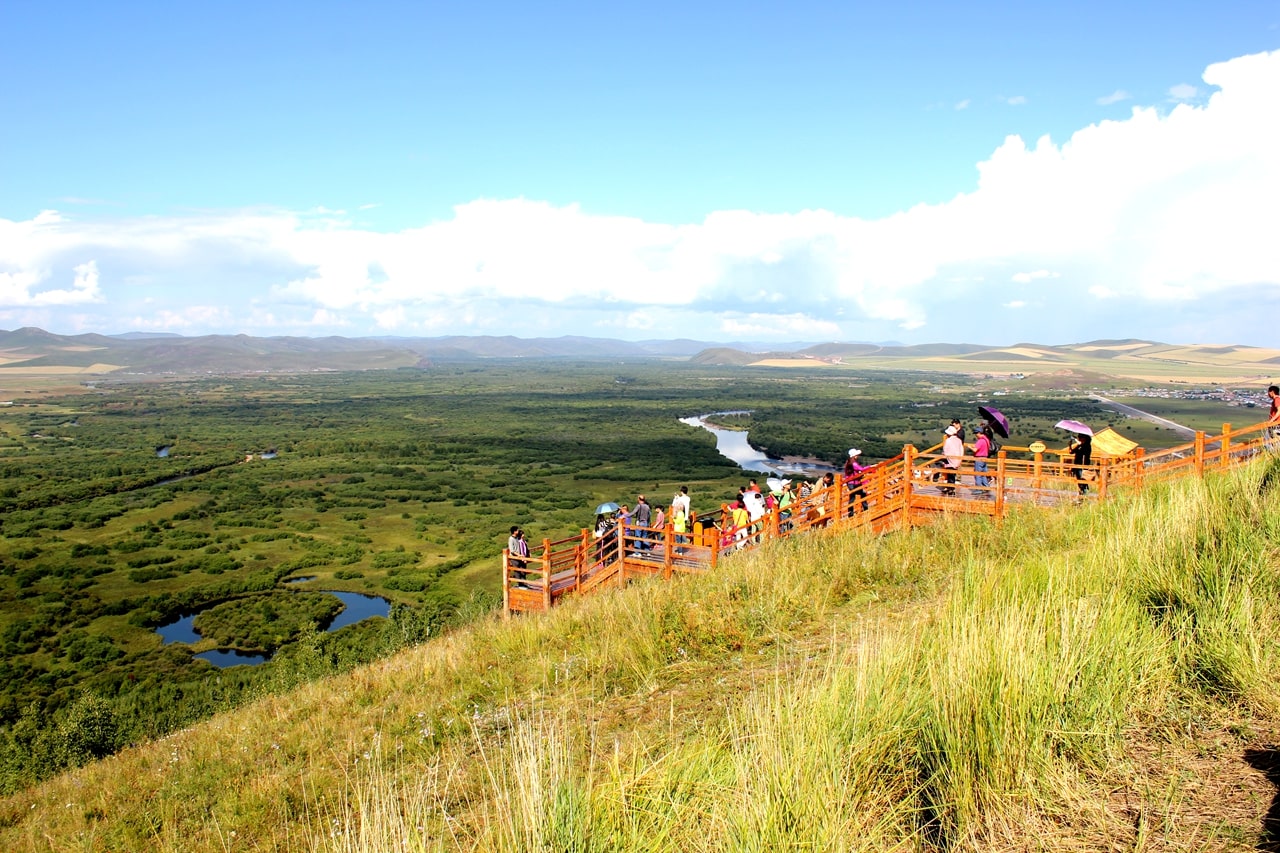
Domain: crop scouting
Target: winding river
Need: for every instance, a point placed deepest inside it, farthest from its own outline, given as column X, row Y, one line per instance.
column 733, row 445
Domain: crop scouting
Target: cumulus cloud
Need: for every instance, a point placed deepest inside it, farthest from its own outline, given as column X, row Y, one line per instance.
column 1165, row 206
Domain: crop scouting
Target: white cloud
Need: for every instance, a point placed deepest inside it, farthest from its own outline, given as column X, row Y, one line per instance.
column 1016, row 100
column 20, row 288
column 962, row 105
column 1114, row 98
column 1167, row 204
column 1028, row 277
column 779, row 326
column 190, row 319
column 1183, row 92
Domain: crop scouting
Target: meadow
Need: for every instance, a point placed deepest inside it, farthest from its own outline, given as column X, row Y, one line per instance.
column 1071, row 680
column 126, row 504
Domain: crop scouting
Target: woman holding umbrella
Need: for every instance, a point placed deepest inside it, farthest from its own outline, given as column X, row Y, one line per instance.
column 1081, row 447
column 984, row 446
column 606, row 532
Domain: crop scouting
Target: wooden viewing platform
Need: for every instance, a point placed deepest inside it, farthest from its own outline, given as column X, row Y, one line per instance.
column 900, row 493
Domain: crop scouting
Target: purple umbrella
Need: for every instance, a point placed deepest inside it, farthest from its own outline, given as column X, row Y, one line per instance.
column 998, row 421
column 1074, row 426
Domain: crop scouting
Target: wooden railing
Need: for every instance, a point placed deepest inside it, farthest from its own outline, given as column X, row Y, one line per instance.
column 907, row 490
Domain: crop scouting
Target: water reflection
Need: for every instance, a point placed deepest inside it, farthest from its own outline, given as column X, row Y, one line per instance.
column 223, row 658
column 181, row 630
column 357, row 607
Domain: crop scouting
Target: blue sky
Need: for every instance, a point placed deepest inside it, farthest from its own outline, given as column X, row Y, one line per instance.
column 982, row 172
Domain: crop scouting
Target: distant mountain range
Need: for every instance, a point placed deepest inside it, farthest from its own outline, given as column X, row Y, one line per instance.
column 33, row 351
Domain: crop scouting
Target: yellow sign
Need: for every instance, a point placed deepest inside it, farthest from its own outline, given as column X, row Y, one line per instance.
column 1036, row 447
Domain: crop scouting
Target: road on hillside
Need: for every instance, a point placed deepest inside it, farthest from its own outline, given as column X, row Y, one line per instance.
column 1146, row 416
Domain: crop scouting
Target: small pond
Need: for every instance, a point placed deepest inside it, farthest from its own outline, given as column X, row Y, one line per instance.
column 356, row 608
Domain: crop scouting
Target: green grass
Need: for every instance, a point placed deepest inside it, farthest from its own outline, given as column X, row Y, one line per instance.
column 963, row 686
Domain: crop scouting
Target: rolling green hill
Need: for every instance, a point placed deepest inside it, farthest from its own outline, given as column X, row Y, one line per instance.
column 30, row 353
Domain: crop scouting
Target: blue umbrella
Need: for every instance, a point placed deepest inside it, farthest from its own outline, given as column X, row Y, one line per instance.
column 606, row 508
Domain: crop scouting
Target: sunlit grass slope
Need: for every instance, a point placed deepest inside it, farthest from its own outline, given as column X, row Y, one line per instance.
column 1085, row 680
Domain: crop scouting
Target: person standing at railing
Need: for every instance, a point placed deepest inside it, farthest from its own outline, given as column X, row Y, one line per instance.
column 679, row 525
column 606, row 535
column 755, row 505
column 741, row 522
column 624, row 525
column 659, row 532
column 1272, row 439
column 981, row 451
column 518, row 553
column 953, row 450
column 784, row 496
column 642, row 517
column 1081, row 448
column 853, row 474
column 823, row 500
column 680, row 503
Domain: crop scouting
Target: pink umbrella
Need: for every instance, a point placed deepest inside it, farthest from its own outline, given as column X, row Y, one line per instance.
column 1074, row 426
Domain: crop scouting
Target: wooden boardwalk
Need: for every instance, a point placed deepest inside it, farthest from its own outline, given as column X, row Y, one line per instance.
column 900, row 493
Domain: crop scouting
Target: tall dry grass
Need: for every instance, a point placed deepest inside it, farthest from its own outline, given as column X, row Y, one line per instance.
column 963, row 686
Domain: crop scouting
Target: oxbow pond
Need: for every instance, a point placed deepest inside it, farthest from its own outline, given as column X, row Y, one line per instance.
column 356, row 608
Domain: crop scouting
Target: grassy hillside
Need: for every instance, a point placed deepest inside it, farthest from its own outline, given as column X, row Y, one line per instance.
column 1097, row 363
column 1088, row 680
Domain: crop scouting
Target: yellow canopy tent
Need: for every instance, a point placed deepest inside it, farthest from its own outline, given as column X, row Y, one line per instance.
column 1112, row 444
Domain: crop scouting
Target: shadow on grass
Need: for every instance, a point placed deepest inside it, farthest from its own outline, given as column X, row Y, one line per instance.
column 1267, row 761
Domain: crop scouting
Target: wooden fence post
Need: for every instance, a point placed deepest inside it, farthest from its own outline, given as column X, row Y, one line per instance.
column 1001, row 455
column 506, row 584
column 1139, row 467
column 1224, row 447
column 546, row 574
column 666, row 551
column 581, row 551
column 839, row 515
column 908, row 482
column 1200, row 452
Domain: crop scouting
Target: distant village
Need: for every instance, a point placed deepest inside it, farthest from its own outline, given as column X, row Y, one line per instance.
column 1247, row 398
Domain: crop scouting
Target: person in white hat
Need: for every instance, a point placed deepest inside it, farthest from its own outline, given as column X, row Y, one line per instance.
column 853, row 480
column 953, row 449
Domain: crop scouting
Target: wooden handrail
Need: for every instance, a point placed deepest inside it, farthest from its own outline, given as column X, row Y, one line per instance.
column 900, row 492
